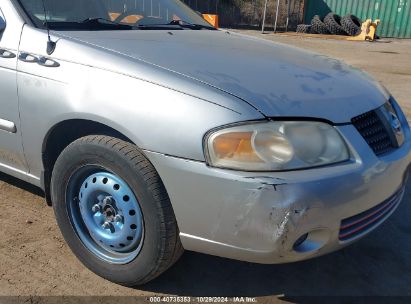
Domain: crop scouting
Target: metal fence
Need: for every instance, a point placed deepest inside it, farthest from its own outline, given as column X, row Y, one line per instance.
column 250, row 13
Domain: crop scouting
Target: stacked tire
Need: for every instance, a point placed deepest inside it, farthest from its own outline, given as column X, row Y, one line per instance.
column 332, row 24
column 318, row 26
column 351, row 25
column 304, row 28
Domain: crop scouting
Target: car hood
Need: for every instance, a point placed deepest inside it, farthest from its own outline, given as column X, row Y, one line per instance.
column 275, row 79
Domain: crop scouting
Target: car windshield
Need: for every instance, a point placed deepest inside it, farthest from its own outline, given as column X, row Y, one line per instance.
column 113, row 15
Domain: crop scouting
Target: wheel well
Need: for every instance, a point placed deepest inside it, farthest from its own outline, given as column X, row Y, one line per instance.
column 63, row 134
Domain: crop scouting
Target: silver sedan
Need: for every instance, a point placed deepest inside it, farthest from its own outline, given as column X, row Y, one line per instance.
column 151, row 132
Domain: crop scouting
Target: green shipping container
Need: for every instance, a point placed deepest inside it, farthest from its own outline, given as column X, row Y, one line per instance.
column 395, row 15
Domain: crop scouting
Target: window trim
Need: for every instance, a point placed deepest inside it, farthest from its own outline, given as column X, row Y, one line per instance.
column 23, row 14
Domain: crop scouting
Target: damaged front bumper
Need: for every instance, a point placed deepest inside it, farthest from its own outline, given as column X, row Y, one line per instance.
column 282, row 217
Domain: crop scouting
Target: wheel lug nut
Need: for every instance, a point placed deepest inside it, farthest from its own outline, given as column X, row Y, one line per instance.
column 108, row 200
column 96, row 208
column 107, row 225
column 118, row 219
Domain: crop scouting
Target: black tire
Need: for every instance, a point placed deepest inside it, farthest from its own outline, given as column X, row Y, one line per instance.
column 304, row 28
column 351, row 25
column 317, row 26
column 333, row 23
column 161, row 247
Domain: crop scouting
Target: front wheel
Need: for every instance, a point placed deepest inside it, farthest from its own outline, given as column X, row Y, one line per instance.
column 113, row 210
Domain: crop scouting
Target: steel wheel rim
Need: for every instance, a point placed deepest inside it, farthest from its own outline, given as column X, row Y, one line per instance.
column 105, row 214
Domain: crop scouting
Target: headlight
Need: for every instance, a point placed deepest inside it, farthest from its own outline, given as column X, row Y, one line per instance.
column 271, row 146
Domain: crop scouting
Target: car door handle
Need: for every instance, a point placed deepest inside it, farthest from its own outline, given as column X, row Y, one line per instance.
column 26, row 57
column 47, row 62
column 6, row 54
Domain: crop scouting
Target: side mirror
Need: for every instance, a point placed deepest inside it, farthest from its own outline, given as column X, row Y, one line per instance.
column 2, row 24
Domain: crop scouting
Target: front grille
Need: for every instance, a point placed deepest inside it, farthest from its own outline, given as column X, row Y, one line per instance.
column 364, row 222
column 374, row 132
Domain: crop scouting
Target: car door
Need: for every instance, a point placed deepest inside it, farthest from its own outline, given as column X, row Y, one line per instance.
column 12, row 159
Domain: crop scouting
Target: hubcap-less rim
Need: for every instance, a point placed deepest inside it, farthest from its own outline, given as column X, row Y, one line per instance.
column 107, row 217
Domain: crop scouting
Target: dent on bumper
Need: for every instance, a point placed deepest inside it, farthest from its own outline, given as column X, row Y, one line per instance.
column 258, row 217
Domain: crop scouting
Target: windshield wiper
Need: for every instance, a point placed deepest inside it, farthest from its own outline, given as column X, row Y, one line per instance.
column 105, row 22
column 183, row 23
column 179, row 23
column 92, row 24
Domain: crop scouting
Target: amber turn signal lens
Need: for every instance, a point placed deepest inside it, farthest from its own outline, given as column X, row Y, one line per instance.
column 235, row 146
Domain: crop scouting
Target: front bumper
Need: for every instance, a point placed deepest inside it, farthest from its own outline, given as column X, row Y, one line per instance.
column 258, row 217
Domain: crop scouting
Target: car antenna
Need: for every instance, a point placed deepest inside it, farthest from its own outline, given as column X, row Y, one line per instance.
column 51, row 45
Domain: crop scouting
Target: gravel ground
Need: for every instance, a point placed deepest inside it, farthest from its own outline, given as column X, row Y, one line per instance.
column 35, row 261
